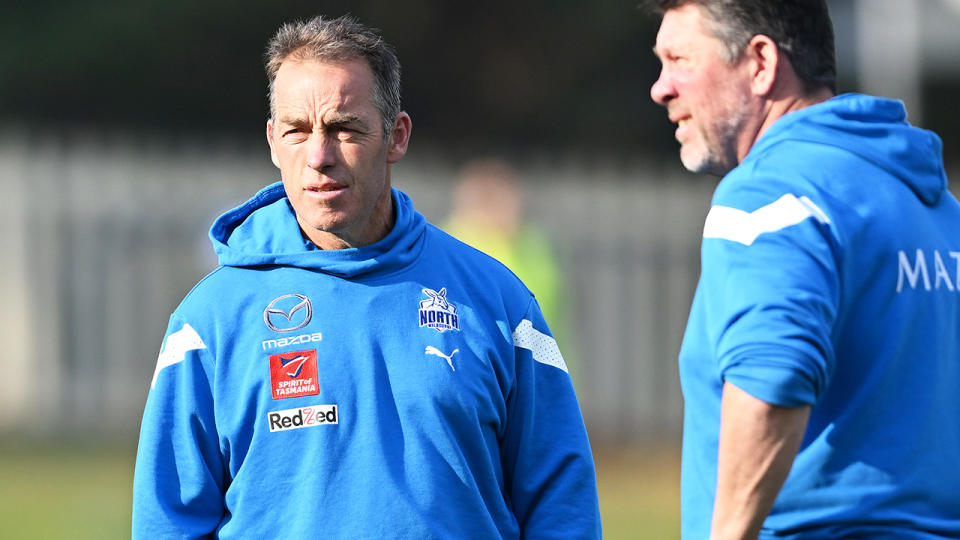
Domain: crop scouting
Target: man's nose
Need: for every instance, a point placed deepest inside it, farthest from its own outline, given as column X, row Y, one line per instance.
column 321, row 152
column 662, row 90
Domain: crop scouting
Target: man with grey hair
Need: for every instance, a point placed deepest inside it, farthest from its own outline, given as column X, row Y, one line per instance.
column 821, row 360
column 350, row 371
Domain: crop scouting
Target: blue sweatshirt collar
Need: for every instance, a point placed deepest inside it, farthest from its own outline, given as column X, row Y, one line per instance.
column 264, row 231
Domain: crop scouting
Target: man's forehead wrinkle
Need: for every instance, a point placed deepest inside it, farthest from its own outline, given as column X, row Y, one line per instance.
column 663, row 45
column 308, row 97
column 331, row 117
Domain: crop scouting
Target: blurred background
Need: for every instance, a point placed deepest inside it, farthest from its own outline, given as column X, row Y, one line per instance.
column 126, row 128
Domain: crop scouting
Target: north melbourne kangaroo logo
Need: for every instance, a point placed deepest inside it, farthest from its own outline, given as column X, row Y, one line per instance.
column 436, row 352
column 437, row 312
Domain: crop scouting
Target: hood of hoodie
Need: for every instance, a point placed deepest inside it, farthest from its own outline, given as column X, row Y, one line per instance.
column 877, row 130
column 264, row 231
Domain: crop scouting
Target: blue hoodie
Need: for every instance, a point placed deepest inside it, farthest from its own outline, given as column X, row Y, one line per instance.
column 405, row 389
column 831, row 278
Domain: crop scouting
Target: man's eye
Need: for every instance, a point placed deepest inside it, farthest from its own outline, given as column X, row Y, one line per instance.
column 293, row 131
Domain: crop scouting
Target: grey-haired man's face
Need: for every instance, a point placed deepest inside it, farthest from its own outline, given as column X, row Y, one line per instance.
column 706, row 97
column 327, row 139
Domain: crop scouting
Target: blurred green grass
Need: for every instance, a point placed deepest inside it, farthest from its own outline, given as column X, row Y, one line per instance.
column 67, row 490
column 639, row 490
column 83, row 491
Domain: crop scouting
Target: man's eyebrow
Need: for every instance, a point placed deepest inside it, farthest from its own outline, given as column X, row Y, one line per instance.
column 330, row 119
column 340, row 118
column 292, row 120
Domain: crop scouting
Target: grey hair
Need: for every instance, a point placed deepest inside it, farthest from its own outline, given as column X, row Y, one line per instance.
column 801, row 29
column 338, row 40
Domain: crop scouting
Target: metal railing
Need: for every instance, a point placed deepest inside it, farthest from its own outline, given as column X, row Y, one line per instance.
column 103, row 237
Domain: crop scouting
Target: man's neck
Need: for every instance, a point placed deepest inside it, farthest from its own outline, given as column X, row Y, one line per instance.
column 777, row 107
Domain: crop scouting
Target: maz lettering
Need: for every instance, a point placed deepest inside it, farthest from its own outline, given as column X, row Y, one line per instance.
column 930, row 273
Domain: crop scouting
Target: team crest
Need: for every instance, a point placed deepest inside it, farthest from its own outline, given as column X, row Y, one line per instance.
column 437, row 312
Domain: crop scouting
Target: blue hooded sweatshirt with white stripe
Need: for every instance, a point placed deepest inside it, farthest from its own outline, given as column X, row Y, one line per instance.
column 405, row 389
column 831, row 278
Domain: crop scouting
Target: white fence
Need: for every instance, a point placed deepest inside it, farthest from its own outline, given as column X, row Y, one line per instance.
column 103, row 237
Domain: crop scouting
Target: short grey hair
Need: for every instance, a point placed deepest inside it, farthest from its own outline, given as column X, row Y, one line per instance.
column 802, row 30
column 339, row 40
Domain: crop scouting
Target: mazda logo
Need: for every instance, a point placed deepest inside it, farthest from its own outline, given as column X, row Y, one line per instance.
column 282, row 312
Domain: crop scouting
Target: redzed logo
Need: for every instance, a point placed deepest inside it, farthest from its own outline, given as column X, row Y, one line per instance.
column 294, row 374
column 316, row 415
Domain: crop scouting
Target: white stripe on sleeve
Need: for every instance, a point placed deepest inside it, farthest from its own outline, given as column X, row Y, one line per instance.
column 728, row 223
column 543, row 347
column 176, row 347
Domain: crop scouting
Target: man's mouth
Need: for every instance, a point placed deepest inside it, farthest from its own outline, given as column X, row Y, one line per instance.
column 324, row 191
column 326, row 186
column 681, row 129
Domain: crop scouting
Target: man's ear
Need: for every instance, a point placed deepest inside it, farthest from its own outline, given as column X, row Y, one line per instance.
column 273, row 151
column 764, row 62
column 399, row 137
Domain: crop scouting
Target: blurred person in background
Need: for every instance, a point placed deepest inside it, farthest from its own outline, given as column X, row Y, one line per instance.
column 821, row 360
column 350, row 371
column 488, row 213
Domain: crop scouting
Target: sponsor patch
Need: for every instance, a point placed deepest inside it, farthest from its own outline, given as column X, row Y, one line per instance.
column 302, row 417
column 288, row 313
column 303, row 339
column 294, row 374
column 437, row 312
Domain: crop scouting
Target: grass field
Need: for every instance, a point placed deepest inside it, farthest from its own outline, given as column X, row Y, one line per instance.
column 76, row 492
column 79, row 492
column 639, row 493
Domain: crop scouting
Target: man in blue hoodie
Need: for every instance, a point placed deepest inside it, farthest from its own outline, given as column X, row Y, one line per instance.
column 821, row 360
column 350, row 371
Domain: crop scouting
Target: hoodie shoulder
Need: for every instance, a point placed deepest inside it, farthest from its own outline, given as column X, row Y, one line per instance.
column 853, row 141
column 469, row 254
column 482, row 266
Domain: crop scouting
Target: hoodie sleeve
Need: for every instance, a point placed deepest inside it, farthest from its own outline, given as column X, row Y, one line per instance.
column 548, row 464
column 770, row 283
column 179, row 479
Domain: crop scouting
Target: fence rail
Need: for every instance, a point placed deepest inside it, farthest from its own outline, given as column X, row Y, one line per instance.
column 103, row 237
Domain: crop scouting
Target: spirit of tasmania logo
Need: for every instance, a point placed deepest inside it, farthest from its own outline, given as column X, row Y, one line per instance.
column 294, row 374
column 437, row 312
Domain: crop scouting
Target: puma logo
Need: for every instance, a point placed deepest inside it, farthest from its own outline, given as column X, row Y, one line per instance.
column 436, row 352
